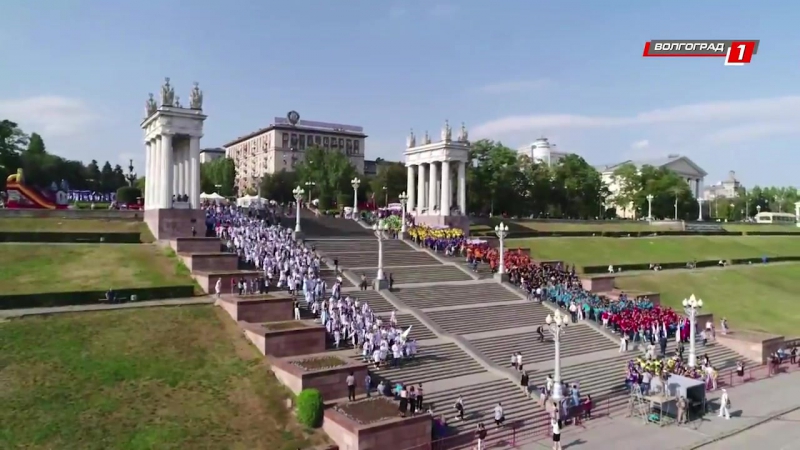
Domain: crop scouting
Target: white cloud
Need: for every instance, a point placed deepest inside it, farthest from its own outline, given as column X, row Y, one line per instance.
column 748, row 132
column 747, row 111
column 514, row 87
column 443, row 10
column 50, row 116
column 639, row 145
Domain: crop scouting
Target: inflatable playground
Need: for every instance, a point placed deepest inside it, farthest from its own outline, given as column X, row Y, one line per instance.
column 20, row 196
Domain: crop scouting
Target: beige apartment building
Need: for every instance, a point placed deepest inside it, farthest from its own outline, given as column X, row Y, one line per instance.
column 283, row 144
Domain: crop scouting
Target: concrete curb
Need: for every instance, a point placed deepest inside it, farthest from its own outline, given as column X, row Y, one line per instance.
column 722, row 436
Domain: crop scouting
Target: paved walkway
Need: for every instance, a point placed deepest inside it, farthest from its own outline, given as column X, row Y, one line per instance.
column 14, row 313
column 762, row 417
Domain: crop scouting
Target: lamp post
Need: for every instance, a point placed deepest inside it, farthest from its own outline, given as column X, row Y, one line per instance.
column 758, row 210
column 298, row 196
column 385, row 197
column 130, row 177
column 650, row 207
column 731, row 212
column 355, row 182
column 676, row 207
column 501, row 231
column 557, row 324
column 310, row 185
column 403, row 200
column 379, row 228
column 690, row 307
column 699, row 209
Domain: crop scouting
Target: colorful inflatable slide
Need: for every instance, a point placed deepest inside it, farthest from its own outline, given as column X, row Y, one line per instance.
column 21, row 196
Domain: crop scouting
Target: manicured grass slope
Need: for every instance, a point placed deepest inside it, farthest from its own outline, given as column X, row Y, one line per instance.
column 160, row 378
column 76, row 226
column 603, row 251
column 758, row 297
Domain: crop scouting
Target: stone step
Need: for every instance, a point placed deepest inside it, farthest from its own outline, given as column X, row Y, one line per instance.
column 324, row 226
column 390, row 259
column 432, row 363
column 332, row 246
column 521, row 412
column 467, row 294
column 423, row 274
column 330, row 278
column 489, row 318
column 579, row 339
column 374, row 299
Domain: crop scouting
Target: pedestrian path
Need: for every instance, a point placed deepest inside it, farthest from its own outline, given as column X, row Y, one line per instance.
column 330, row 278
column 10, row 313
column 334, row 246
column 450, row 295
column 421, row 273
column 577, row 340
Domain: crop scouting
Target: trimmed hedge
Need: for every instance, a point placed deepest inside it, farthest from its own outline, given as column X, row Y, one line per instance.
column 309, row 408
column 71, row 237
column 592, row 270
column 51, row 299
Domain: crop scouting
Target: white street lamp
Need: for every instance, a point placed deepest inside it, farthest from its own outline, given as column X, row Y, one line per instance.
column 690, row 307
column 501, row 231
column 403, row 200
column 676, row 207
column 355, row 182
column 310, row 186
column 758, row 209
column 650, row 206
column 699, row 209
column 298, row 195
column 379, row 228
column 557, row 324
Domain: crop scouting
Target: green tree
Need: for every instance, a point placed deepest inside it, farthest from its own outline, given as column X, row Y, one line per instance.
column 581, row 187
column 140, row 183
column 626, row 177
column 278, row 186
column 36, row 144
column 492, row 178
column 107, row 183
column 12, row 142
column 219, row 172
column 393, row 177
column 93, row 177
column 330, row 171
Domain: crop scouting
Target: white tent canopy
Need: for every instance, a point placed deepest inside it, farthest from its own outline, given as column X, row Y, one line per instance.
column 213, row 197
column 248, row 200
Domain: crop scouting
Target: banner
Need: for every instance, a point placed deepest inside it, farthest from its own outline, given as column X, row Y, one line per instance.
column 91, row 196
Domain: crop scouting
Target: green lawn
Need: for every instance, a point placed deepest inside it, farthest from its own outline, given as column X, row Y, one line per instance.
column 159, row 378
column 604, row 251
column 76, row 226
column 761, row 227
column 758, row 297
column 34, row 268
column 621, row 225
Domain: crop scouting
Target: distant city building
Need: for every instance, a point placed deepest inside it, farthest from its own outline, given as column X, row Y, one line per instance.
column 283, row 144
column 210, row 154
column 371, row 168
column 724, row 189
column 681, row 165
column 543, row 152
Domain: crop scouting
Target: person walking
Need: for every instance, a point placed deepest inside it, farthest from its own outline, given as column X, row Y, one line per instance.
column 368, row 385
column 218, row 288
column 351, row 387
column 499, row 416
column 724, row 405
column 681, row 410
column 419, row 398
column 480, row 434
column 556, row 426
column 459, row 406
column 296, row 310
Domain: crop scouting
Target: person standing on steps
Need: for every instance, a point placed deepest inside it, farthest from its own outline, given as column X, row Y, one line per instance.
column 459, row 406
column 480, row 435
column 419, row 398
column 555, row 424
column 351, row 387
column 296, row 305
column 336, row 265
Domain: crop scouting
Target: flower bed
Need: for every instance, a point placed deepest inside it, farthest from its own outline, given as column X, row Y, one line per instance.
column 320, row 363
column 369, row 411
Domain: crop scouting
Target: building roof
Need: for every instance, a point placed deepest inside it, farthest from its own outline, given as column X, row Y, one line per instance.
column 212, row 150
column 297, row 128
column 655, row 162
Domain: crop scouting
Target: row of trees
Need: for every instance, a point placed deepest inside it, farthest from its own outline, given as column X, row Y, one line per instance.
column 42, row 169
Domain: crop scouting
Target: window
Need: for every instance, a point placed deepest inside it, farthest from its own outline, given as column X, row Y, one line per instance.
column 333, row 143
column 341, row 143
column 349, row 146
column 356, row 151
column 326, row 142
column 285, row 139
column 294, row 140
column 318, row 140
column 302, row 141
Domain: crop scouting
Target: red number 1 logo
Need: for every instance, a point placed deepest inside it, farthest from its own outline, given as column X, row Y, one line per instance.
column 740, row 53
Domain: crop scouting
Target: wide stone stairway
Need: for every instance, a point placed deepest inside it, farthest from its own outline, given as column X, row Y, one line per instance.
column 467, row 328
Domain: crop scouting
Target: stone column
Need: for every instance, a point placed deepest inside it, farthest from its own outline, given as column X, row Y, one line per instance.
column 187, row 175
column 176, row 163
column 445, row 202
column 166, row 160
column 462, row 188
column 180, row 152
column 410, row 188
column 157, row 173
column 422, row 196
column 148, row 173
column 434, row 178
column 194, row 171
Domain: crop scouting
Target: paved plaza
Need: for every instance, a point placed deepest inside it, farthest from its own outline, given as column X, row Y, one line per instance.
column 467, row 326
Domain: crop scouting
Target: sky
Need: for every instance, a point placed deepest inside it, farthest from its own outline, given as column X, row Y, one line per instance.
column 78, row 72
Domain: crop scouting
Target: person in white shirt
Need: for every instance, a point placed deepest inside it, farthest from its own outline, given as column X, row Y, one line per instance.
column 519, row 361
column 724, row 405
column 623, row 344
column 499, row 415
column 218, row 287
column 554, row 423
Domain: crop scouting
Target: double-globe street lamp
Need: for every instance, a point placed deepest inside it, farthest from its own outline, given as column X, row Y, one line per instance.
column 403, row 197
column 298, row 196
column 501, row 231
column 557, row 324
column 380, row 228
column 691, row 306
column 355, row 182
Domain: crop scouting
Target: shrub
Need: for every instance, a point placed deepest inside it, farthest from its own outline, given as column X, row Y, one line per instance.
column 128, row 194
column 309, row 408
